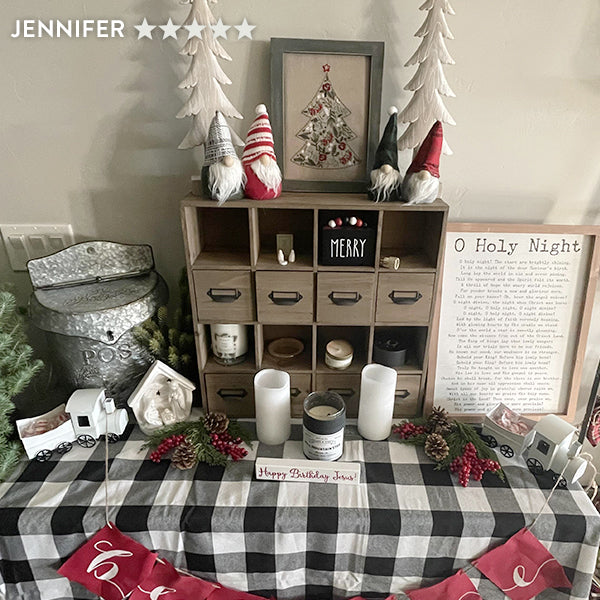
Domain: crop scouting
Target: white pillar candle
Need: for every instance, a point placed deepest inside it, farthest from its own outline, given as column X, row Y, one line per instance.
column 273, row 406
column 376, row 406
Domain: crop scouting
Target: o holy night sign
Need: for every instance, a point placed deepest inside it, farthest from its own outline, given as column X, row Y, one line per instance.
column 513, row 304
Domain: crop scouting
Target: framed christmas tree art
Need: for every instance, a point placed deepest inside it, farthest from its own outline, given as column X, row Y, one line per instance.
column 325, row 109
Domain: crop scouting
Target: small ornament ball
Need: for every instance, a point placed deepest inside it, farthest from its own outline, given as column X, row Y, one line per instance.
column 339, row 222
column 359, row 223
column 332, row 224
column 353, row 221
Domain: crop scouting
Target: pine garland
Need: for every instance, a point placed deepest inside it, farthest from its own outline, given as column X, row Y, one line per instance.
column 210, row 448
column 468, row 455
column 17, row 369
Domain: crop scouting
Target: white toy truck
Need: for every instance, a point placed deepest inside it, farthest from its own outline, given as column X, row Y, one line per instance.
column 87, row 416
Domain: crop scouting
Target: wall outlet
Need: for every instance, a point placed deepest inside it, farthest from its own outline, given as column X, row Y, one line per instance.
column 24, row 242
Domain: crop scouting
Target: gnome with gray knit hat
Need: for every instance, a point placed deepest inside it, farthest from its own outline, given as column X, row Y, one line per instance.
column 222, row 174
column 385, row 175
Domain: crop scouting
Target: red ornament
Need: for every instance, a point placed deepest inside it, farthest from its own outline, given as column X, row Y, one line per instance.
column 338, row 222
column 342, row 145
column 326, row 87
column 359, row 222
column 322, row 157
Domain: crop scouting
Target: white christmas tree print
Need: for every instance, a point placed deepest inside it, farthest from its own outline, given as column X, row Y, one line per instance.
column 204, row 77
column 326, row 134
column 429, row 82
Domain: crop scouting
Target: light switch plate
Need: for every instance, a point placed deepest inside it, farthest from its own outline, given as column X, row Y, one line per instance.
column 24, row 242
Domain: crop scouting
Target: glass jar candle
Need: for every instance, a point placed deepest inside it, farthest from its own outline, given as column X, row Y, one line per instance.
column 229, row 343
column 323, row 421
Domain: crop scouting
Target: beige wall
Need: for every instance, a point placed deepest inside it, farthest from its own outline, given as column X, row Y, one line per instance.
column 88, row 134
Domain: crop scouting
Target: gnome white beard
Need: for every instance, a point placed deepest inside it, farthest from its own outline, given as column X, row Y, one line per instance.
column 383, row 184
column 268, row 174
column 225, row 181
column 420, row 188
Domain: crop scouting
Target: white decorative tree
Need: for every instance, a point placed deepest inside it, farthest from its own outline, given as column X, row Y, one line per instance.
column 204, row 77
column 429, row 82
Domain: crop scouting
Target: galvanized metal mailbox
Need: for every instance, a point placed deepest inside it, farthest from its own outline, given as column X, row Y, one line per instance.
column 88, row 298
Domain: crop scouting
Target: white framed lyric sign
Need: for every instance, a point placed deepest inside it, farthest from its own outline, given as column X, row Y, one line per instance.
column 513, row 316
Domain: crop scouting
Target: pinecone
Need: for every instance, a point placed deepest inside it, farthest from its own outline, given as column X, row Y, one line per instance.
column 438, row 421
column 216, row 422
column 184, row 456
column 436, row 447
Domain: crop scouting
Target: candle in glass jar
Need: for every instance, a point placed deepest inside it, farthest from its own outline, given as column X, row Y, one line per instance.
column 323, row 426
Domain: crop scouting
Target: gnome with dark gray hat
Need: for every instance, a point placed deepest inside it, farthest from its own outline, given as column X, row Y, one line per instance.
column 385, row 175
column 223, row 176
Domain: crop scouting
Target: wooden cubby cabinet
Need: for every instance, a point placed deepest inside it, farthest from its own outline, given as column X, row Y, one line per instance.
column 232, row 249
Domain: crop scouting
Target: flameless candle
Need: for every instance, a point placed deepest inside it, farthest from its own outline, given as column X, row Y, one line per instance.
column 376, row 405
column 273, row 406
column 323, row 426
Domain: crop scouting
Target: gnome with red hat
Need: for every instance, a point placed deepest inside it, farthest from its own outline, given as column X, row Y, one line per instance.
column 422, row 180
column 263, row 177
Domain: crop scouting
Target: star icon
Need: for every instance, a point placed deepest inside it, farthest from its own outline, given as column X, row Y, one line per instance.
column 170, row 29
column 145, row 29
column 245, row 30
column 220, row 30
column 195, row 29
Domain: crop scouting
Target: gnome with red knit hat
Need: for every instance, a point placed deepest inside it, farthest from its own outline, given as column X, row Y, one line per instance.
column 422, row 180
column 263, row 177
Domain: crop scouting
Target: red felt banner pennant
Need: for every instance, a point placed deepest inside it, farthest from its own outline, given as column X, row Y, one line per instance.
column 522, row 567
column 110, row 564
column 165, row 581
column 456, row 587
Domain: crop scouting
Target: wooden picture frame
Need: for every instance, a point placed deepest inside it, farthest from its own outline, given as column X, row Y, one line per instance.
column 312, row 155
column 512, row 318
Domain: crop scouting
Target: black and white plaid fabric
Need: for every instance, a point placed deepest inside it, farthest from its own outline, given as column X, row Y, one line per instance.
column 405, row 526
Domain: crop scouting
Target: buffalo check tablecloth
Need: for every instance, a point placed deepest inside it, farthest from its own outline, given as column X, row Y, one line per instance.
column 404, row 526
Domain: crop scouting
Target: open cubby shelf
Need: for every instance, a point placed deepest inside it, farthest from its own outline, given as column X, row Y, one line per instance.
column 231, row 256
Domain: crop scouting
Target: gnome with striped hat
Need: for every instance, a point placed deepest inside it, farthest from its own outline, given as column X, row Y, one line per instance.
column 222, row 174
column 263, row 177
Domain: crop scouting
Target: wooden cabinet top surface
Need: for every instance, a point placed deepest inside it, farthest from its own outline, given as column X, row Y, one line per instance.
column 312, row 200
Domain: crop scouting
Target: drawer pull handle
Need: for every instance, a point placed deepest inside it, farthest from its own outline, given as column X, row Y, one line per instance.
column 232, row 393
column 401, row 394
column 294, row 392
column 285, row 298
column 343, row 392
column 223, row 294
column 344, row 298
column 401, row 297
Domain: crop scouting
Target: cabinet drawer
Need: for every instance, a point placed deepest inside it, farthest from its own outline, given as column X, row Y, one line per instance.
column 232, row 394
column 300, row 387
column 406, row 400
column 224, row 296
column 345, row 298
column 404, row 297
column 284, row 297
column 346, row 385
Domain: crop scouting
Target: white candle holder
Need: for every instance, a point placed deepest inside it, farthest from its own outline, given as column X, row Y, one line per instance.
column 376, row 406
column 273, row 406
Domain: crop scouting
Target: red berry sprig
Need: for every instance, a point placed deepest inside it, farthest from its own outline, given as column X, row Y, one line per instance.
column 408, row 430
column 228, row 445
column 166, row 445
column 469, row 465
